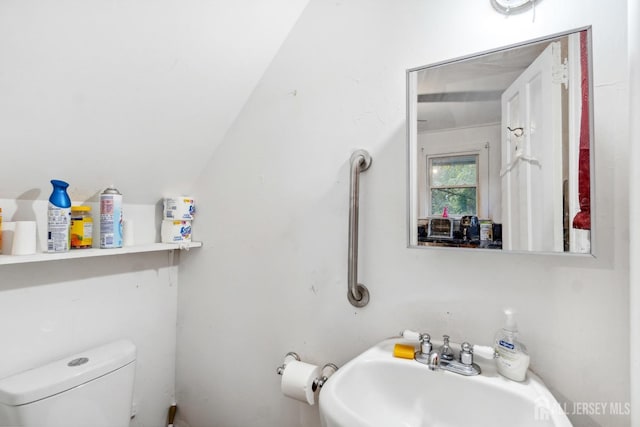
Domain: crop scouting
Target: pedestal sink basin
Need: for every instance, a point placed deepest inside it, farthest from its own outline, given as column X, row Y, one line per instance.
column 376, row 389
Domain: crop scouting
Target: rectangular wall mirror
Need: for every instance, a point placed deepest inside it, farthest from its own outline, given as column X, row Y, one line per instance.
column 500, row 148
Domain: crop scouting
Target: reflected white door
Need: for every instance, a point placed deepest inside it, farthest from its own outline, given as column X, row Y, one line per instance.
column 532, row 157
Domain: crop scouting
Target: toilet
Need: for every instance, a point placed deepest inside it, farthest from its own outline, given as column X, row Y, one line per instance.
column 93, row 388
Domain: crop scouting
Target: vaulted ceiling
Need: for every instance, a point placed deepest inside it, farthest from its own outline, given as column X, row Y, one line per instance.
column 135, row 94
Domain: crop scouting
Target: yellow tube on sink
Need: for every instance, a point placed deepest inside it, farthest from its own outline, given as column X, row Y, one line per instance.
column 404, row 351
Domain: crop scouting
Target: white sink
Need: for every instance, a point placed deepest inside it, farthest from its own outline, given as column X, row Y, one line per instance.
column 376, row 389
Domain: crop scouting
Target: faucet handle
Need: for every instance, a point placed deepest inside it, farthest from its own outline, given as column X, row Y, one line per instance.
column 425, row 343
column 410, row 335
column 466, row 354
column 423, row 339
column 485, row 351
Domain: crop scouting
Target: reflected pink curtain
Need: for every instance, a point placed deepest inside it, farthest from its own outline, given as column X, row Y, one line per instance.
column 582, row 220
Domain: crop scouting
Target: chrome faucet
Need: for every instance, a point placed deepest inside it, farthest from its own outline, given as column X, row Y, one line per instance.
column 444, row 358
column 434, row 361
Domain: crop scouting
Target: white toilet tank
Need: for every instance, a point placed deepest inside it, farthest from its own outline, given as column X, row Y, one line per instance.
column 89, row 389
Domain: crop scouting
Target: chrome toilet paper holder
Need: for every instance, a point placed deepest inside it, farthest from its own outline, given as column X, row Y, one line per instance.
column 318, row 382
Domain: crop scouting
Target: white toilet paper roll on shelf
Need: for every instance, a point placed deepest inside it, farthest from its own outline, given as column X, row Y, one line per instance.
column 297, row 381
column 24, row 238
column 127, row 233
column 173, row 231
column 179, row 208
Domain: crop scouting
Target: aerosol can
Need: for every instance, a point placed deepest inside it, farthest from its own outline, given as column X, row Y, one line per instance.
column 58, row 218
column 111, row 218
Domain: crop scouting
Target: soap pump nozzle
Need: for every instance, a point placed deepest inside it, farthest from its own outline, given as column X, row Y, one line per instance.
column 510, row 321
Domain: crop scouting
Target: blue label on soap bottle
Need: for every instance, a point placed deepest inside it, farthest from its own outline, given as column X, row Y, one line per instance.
column 507, row 344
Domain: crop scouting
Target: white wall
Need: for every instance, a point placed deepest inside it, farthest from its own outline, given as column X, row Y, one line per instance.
column 274, row 199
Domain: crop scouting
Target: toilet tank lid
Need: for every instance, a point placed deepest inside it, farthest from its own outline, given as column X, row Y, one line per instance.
column 66, row 373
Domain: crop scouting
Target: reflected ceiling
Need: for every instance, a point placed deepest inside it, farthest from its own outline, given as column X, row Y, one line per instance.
column 468, row 94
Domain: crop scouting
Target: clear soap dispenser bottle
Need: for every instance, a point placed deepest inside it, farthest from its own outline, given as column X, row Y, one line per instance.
column 514, row 358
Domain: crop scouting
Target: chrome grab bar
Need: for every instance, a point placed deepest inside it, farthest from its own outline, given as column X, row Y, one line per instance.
column 357, row 293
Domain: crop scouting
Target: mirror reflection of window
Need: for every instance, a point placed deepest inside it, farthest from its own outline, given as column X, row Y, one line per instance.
column 505, row 136
column 453, row 185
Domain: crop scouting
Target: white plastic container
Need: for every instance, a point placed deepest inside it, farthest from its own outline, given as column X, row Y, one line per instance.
column 514, row 358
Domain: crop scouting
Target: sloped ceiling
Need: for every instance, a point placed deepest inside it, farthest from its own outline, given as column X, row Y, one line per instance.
column 467, row 93
column 137, row 94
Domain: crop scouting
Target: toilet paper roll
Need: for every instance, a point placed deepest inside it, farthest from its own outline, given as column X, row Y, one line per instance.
column 24, row 238
column 297, row 381
column 127, row 233
column 175, row 231
column 179, row 208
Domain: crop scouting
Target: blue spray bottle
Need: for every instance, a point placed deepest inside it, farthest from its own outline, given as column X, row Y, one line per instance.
column 59, row 218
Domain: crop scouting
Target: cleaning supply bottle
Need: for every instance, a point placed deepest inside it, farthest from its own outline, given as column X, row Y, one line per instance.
column 59, row 218
column 111, row 219
column 513, row 360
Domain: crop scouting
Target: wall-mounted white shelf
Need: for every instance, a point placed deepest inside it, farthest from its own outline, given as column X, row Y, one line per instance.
column 95, row 252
